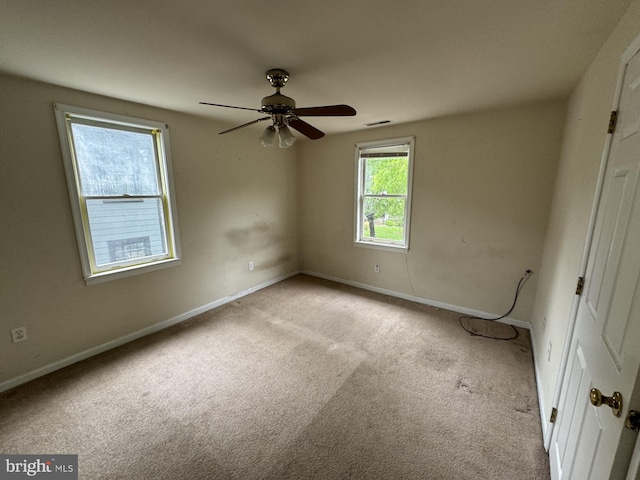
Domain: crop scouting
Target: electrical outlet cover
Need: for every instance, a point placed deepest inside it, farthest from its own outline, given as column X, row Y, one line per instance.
column 19, row 334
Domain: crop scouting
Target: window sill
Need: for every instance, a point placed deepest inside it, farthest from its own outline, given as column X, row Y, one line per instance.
column 382, row 246
column 130, row 271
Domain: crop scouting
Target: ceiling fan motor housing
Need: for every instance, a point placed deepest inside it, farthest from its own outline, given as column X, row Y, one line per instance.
column 279, row 103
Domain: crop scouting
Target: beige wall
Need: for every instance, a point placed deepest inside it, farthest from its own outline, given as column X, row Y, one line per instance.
column 587, row 119
column 482, row 189
column 236, row 203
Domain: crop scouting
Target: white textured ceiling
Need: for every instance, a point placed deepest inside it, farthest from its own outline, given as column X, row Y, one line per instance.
column 400, row 60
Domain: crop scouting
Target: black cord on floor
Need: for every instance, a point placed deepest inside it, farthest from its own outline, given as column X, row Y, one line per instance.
column 515, row 331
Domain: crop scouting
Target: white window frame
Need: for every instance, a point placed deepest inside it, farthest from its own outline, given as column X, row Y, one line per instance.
column 359, row 239
column 65, row 116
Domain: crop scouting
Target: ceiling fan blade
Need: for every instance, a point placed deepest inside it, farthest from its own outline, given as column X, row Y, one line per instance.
column 230, row 106
column 326, row 111
column 304, row 128
column 245, row 125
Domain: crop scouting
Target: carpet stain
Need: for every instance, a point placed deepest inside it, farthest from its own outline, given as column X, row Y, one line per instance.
column 463, row 385
column 522, row 345
column 523, row 406
column 526, row 410
column 437, row 359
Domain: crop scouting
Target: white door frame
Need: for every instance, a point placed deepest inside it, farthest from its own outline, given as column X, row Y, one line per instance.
column 631, row 50
column 634, row 467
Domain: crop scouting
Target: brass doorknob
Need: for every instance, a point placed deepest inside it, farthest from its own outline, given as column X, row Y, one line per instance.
column 614, row 401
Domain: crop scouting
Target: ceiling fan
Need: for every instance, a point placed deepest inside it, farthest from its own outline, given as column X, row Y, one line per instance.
column 282, row 111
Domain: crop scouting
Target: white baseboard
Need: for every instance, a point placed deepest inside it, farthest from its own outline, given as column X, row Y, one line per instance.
column 65, row 362
column 544, row 422
column 454, row 308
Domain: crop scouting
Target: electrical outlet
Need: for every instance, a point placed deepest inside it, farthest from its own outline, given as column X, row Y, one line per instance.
column 377, row 269
column 19, row 334
column 250, row 266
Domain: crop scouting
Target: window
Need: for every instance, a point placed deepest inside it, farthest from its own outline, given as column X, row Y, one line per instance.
column 383, row 202
column 119, row 177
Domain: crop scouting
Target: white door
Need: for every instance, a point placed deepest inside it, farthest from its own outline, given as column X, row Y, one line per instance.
column 590, row 442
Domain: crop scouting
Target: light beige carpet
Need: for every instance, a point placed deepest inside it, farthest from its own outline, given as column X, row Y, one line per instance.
column 306, row 379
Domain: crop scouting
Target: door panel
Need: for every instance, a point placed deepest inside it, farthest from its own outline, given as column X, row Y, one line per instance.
column 570, row 426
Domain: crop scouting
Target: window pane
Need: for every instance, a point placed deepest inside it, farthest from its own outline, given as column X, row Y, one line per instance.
column 125, row 230
column 115, row 162
column 384, row 218
column 386, row 175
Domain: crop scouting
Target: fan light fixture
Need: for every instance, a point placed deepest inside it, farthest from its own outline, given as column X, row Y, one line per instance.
column 285, row 137
column 268, row 136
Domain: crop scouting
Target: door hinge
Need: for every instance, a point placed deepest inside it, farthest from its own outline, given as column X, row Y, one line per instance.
column 554, row 415
column 633, row 421
column 580, row 286
column 613, row 120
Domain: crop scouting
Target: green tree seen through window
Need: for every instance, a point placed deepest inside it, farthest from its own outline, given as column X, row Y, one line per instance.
column 385, row 192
